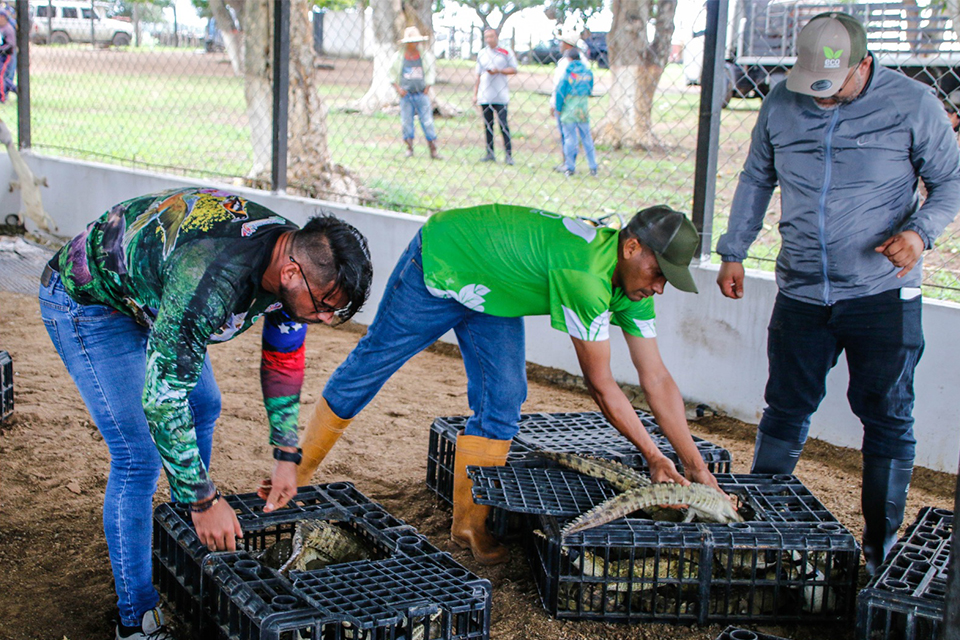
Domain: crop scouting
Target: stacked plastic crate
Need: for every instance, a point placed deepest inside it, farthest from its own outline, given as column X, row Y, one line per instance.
column 905, row 598
column 587, row 433
column 409, row 589
column 790, row 561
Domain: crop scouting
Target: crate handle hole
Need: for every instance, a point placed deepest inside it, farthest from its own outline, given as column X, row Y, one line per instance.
column 283, row 603
column 742, row 634
column 896, row 585
column 338, row 487
column 247, row 568
column 408, row 543
column 829, row 526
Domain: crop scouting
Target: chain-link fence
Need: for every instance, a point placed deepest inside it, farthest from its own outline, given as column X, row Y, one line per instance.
column 200, row 110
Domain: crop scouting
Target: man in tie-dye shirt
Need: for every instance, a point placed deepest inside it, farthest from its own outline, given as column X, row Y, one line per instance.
column 131, row 305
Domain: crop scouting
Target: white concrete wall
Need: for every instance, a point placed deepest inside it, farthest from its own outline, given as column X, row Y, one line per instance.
column 347, row 33
column 714, row 347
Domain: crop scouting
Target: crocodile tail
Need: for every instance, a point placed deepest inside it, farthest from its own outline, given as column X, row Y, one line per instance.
column 616, row 507
column 619, row 476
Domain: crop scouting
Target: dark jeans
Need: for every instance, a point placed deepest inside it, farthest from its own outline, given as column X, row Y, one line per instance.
column 883, row 339
column 501, row 110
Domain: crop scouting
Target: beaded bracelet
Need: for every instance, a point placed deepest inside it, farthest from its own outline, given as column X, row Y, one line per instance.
column 205, row 505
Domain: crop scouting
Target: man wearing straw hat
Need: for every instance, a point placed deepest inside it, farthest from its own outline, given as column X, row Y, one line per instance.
column 413, row 77
column 846, row 140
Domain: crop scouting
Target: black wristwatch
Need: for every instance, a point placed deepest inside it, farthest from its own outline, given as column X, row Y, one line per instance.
column 286, row 456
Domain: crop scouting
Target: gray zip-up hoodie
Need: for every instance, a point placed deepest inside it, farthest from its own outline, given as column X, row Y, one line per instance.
column 848, row 181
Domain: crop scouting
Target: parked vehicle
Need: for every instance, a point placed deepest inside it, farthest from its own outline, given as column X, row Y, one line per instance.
column 597, row 49
column 916, row 40
column 546, row 52
column 63, row 21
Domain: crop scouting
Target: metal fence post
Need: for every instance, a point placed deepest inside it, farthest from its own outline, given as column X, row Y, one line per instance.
column 23, row 74
column 712, row 87
column 951, row 615
column 281, row 93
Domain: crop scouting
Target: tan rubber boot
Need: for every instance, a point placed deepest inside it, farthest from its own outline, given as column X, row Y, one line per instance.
column 409, row 151
column 434, row 154
column 323, row 430
column 469, row 530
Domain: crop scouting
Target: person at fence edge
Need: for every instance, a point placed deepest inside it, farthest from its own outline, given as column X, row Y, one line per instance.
column 8, row 56
column 492, row 92
column 131, row 305
column 414, row 75
column 479, row 271
column 568, row 42
column 846, row 139
column 573, row 94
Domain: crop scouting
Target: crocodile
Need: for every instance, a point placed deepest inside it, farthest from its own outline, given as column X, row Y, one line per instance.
column 315, row 544
column 638, row 492
column 318, row 543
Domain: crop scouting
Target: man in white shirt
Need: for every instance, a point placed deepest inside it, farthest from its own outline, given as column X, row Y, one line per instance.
column 491, row 92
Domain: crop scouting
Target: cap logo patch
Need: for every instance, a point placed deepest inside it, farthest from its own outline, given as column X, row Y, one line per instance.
column 831, row 58
column 821, row 85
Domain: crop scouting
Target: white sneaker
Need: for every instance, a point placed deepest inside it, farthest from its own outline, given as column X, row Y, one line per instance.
column 151, row 628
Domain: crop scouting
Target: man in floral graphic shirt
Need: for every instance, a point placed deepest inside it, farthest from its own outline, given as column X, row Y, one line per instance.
column 478, row 271
column 131, row 305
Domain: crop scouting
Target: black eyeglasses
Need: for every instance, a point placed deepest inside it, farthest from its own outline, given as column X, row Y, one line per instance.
column 322, row 307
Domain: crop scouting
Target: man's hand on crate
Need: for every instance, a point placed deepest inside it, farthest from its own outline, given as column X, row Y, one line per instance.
column 280, row 488
column 218, row 527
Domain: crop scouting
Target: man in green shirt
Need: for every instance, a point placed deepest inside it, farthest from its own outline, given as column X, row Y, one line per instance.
column 478, row 271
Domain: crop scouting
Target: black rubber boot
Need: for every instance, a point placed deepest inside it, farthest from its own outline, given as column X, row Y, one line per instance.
column 773, row 455
column 883, row 498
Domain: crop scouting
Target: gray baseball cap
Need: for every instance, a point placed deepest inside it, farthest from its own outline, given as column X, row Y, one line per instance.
column 828, row 47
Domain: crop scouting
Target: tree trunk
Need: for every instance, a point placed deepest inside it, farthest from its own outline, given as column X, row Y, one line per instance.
column 388, row 21
column 636, row 65
column 232, row 41
column 310, row 168
column 257, row 83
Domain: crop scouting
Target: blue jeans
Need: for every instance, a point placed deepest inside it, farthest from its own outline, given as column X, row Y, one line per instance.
column 570, row 132
column 8, row 65
column 883, row 338
column 409, row 320
column 418, row 103
column 105, row 353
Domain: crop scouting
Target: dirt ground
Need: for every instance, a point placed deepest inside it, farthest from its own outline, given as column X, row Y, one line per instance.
column 55, row 578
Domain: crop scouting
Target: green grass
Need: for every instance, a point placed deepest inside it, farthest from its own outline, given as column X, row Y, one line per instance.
column 196, row 125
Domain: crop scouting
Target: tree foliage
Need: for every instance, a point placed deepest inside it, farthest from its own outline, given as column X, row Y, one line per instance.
column 563, row 9
column 150, row 10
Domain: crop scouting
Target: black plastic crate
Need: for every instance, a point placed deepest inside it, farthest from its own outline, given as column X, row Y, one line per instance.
column 736, row 633
column 178, row 554
column 587, row 433
column 905, row 598
column 791, row 561
column 405, row 596
column 6, row 385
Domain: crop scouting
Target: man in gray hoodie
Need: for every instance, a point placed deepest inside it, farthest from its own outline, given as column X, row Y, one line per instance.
column 846, row 140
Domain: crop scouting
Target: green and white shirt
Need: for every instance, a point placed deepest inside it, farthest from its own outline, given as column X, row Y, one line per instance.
column 511, row 261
